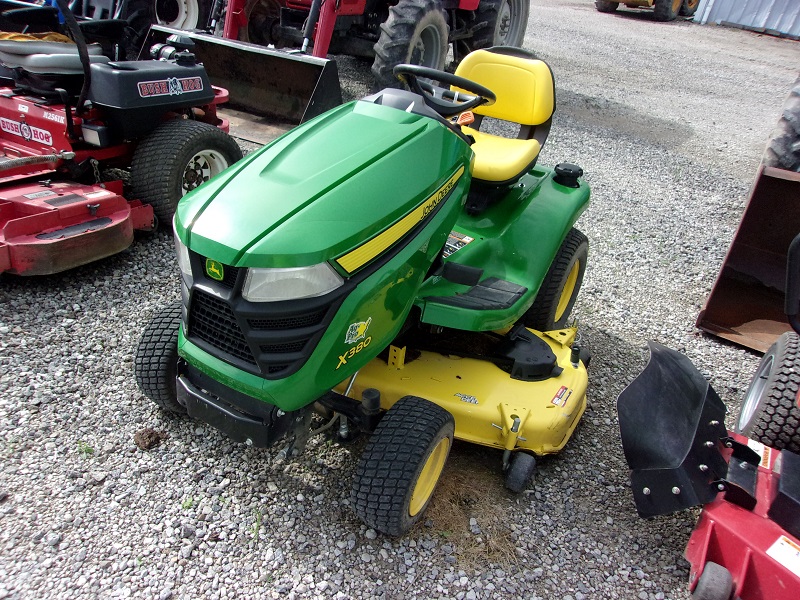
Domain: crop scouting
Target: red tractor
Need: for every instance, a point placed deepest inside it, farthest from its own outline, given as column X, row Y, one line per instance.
column 92, row 149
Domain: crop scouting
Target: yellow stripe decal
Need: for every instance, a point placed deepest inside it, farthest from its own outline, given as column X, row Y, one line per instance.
column 355, row 259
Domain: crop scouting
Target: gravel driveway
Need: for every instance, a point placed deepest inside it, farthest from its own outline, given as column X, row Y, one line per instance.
column 668, row 122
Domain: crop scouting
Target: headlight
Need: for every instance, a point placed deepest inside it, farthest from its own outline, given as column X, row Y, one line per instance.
column 183, row 255
column 273, row 285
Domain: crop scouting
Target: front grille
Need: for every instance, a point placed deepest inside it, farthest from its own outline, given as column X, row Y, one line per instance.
column 294, row 322
column 283, row 348
column 212, row 321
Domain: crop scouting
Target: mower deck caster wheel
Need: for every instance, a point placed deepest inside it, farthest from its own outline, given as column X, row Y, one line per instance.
column 715, row 583
column 156, row 360
column 401, row 465
column 520, row 471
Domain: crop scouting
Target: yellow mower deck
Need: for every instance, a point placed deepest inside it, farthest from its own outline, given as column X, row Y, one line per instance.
column 488, row 406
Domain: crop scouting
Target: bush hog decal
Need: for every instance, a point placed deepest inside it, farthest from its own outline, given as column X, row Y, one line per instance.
column 170, row 87
column 26, row 132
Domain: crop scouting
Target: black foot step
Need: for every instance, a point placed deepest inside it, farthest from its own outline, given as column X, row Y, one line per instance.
column 489, row 294
column 74, row 230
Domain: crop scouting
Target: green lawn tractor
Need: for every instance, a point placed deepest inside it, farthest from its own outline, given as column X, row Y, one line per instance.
column 395, row 268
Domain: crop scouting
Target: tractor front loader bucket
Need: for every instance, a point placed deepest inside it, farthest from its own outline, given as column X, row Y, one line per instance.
column 262, row 81
column 747, row 301
column 672, row 426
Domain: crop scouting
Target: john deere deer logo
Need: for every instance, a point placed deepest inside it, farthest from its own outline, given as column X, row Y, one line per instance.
column 215, row 270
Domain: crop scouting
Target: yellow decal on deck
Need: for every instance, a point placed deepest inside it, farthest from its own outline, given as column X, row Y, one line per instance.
column 355, row 259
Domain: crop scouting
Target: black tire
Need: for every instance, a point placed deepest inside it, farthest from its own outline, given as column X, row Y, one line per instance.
column 182, row 14
column 770, row 412
column 416, row 32
column 604, row 6
column 520, row 471
column 506, row 23
column 783, row 150
column 552, row 307
column 262, row 18
column 409, row 447
column 175, row 158
column 666, row 10
column 156, row 360
column 689, row 7
column 716, row 583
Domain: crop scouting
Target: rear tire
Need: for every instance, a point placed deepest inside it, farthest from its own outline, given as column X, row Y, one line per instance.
column 416, row 32
column 666, row 10
column 716, row 583
column 401, row 465
column 182, row 14
column 156, row 360
column 561, row 285
column 769, row 412
column 506, row 23
column 783, row 150
column 689, row 7
column 174, row 159
column 604, row 6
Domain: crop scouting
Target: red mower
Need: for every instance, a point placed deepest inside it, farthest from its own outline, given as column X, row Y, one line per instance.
column 746, row 544
column 92, row 149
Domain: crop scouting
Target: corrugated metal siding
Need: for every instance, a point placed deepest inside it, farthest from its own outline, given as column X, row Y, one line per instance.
column 776, row 17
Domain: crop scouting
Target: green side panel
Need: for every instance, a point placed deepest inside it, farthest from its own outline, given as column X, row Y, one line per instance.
column 382, row 300
column 539, row 214
column 322, row 189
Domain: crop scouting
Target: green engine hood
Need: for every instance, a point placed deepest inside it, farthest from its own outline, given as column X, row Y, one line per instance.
column 321, row 190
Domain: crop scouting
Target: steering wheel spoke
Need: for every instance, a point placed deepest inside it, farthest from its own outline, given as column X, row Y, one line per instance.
column 443, row 100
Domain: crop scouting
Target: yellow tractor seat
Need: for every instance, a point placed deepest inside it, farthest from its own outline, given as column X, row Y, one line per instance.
column 525, row 96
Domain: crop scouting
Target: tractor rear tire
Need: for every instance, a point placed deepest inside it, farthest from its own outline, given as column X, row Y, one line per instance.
column 716, row 583
column 783, row 150
column 604, row 6
column 416, row 32
column 401, row 465
column 156, row 360
column 174, row 159
column 506, row 23
column 770, row 413
column 561, row 285
column 689, row 7
column 666, row 10
column 520, row 471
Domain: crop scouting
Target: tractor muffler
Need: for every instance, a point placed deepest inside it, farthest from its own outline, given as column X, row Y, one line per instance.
column 263, row 81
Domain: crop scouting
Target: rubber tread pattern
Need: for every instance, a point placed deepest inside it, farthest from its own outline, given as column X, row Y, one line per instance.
column 541, row 314
column 776, row 421
column 783, row 149
column 716, row 583
column 392, row 47
column 604, row 6
column 663, row 10
column 155, row 363
column 160, row 159
column 392, row 461
column 488, row 11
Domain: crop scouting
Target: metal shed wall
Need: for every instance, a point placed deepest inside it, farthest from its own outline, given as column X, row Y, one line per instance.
column 776, row 17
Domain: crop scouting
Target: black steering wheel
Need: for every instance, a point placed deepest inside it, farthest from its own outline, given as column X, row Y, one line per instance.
column 444, row 101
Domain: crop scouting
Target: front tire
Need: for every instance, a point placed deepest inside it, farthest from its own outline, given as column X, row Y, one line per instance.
column 716, row 583
column 416, row 32
column 783, row 150
column 689, row 7
column 178, row 156
column 506, row 23
column 666, row 10
column 401, row 465
column 561, row 285
column 520, row 471
column 604, row 6
column 156, row 360
column 770, row 412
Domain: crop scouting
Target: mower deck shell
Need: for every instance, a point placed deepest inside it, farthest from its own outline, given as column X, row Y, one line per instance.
column 763, row 558
column 485, row 400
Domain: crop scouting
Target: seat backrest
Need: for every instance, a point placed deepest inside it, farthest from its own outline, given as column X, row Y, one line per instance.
column 523, row 85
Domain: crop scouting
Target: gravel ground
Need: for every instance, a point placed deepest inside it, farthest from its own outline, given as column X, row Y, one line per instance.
column 668, row 122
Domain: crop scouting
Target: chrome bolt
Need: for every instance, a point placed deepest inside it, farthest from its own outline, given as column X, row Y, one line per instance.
column 676, row 490
column 646, row 491
column 720, row 487
column 704, row 468
column 708, row 444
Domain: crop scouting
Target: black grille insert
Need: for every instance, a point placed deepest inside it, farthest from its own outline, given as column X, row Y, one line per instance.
column 293, row 322
column 212, row 321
